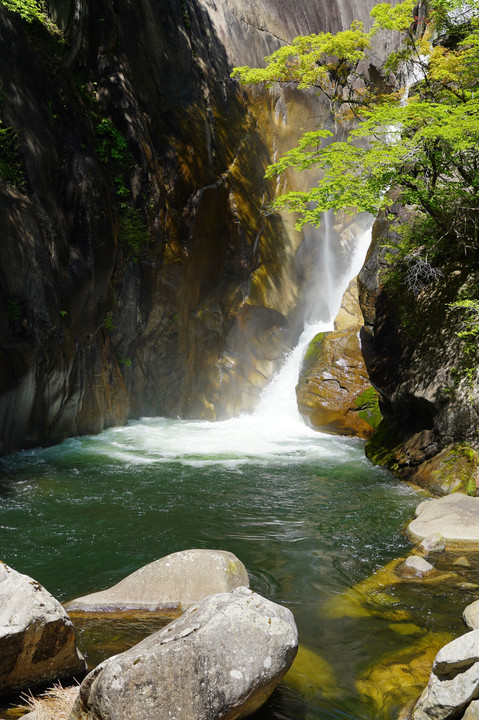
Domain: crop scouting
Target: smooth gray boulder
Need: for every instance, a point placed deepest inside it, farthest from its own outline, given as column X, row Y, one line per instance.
column 175, row 581
column 455, row 516
column 433, row 543
column 471, row 615
column 414, row 566
column 221, row 659
column 37, row 638
column 454, row 680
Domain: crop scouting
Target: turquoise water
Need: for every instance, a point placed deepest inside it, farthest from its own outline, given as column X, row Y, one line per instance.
column 307, row 514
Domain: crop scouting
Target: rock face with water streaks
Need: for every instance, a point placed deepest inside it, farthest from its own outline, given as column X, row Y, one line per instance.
column 37, row 638
column 221, row 659
column 136, row 260
column 173, row 582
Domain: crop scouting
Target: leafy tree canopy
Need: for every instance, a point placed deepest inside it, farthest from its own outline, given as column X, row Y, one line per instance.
column 421, row 140
column 28, row 9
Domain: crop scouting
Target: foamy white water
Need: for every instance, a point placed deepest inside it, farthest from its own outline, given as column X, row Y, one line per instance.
column 279, row 397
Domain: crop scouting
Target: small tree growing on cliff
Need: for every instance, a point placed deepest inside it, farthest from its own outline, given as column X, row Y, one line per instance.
column 27, row 9
column 421, row 140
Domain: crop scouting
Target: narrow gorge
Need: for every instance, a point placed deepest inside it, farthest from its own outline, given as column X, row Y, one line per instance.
column 141, row 271
column 184, row 367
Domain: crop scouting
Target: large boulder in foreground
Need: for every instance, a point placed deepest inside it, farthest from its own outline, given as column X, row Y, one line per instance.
column 454, row 681
column 173, row 582
column 37, row 638
column 221, row 659
column 455, row 516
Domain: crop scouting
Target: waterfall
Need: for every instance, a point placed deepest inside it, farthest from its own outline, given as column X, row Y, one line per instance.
column 278, row 401
column 274, row 432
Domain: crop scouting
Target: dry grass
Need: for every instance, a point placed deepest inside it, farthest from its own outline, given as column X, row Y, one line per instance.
column 54, row 704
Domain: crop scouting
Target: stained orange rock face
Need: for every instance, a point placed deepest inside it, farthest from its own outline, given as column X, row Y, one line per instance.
column 334, row 389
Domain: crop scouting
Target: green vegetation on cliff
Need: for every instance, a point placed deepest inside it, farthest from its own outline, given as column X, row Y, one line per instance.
column 413, row 153
column 423, row 142
column 27, row 9
column 11, row 171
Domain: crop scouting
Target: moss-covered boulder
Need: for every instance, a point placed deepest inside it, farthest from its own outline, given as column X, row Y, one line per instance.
column 455, row 468
column 334, row 393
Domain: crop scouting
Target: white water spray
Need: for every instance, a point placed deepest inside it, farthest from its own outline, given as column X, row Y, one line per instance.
column 278, row 404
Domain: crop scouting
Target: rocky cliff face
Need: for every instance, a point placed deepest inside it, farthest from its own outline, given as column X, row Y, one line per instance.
column 139, row 273
column 426, row 374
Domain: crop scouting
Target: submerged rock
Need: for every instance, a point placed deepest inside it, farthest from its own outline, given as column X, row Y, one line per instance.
column 455, row 516
column 175, row 581
column 414, row 566
column 462, row 561
column 399, row 676
column 221, row 659
column 454, row 680
column 312, row 675
column 37, row 638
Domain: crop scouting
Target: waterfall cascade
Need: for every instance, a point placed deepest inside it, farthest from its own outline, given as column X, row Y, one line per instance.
column 278, row 401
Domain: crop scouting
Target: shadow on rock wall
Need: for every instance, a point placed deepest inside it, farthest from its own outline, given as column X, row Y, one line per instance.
column 139, row 273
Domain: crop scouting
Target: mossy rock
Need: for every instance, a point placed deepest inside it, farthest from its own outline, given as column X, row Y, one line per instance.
column 334, row 393
column 311, row 675
column 313, row 352
column 367, row 403
column 374, row 596
column 384, row 448
column 398, row 678
column 454, row 469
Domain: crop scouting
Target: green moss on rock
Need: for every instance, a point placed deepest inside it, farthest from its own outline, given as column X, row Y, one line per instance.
column 384, row 446
column 313, row 352
column 454, row 469
column 367, row 403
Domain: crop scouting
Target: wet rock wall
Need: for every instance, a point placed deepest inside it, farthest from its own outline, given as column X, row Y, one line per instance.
column 139, row 273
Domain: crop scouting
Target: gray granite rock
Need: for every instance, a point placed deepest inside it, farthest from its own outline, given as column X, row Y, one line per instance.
column 471, row 615
column 414, row 566
column 454, row 680
column 433, row 543
column 175, row 581
column 455, row 516
column 221, row 659
column 37, row 638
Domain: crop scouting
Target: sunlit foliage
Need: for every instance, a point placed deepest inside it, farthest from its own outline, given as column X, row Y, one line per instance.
column 419, row 136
